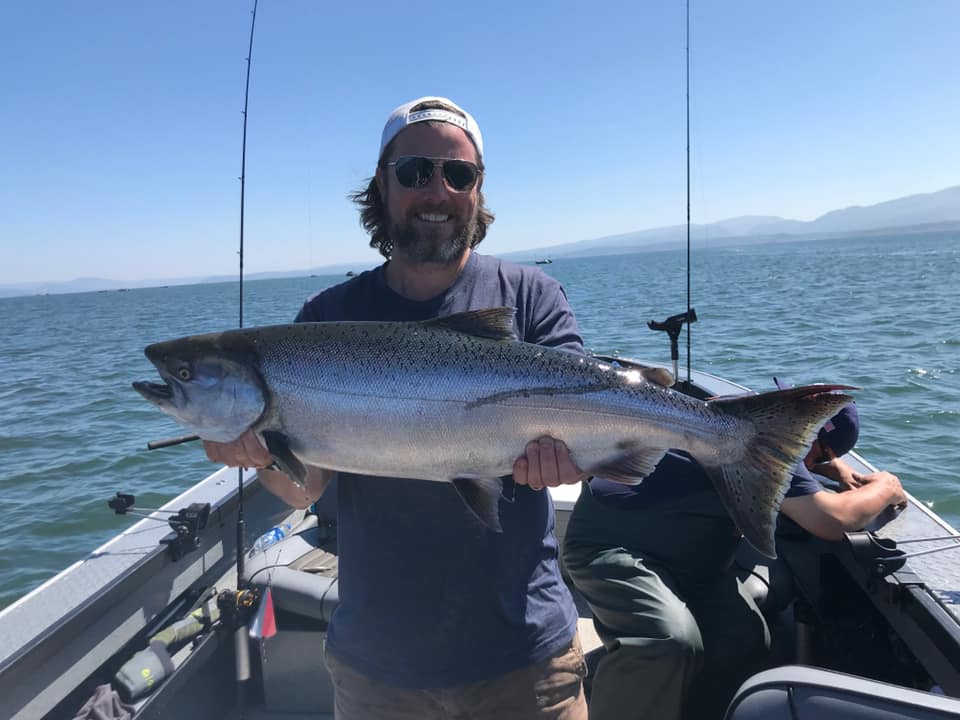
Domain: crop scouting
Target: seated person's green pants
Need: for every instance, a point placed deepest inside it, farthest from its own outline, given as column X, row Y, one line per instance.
column 679, row 634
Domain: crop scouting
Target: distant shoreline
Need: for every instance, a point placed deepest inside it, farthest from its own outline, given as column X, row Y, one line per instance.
column 555, row 253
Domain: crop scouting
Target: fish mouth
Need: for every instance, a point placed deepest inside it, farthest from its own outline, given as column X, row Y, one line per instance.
column 154, row 392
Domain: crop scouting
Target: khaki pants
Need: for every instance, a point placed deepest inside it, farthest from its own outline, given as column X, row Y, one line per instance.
column 549, row 690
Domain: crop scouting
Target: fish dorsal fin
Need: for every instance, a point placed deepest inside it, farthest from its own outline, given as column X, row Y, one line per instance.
column 494, row 323
column 658, row 376
column 630, row 468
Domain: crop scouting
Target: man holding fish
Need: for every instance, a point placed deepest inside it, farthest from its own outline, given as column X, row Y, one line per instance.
column 408, row 381
column 438, row 616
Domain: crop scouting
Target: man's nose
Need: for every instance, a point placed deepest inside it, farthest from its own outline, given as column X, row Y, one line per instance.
column 436, row 186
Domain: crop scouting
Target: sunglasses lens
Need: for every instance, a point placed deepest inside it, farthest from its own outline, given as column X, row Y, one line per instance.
column 414, row 172
column 460, row 175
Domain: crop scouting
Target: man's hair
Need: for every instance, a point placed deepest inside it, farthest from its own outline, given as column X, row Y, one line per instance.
column 373, row 211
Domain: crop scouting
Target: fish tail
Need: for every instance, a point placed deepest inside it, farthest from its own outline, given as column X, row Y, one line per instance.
column 785, row 423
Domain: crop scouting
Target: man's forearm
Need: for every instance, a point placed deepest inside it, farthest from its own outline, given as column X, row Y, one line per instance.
column 864, row 503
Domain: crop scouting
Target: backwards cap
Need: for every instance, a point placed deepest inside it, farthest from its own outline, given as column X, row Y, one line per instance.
column 455, row 115
column 841, row 431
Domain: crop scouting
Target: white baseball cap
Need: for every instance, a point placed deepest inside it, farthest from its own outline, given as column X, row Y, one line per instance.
column 456, row 115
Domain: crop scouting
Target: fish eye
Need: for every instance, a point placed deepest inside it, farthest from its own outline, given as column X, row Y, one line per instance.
column 184, row 374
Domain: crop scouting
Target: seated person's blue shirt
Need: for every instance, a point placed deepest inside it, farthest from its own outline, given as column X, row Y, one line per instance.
column 429, row 597
column 676, row 476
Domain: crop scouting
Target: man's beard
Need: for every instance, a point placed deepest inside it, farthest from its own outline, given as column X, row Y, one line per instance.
column 429, row 245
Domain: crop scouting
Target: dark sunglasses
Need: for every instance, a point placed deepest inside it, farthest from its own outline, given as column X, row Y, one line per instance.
column 825, row 452
column 415, row 172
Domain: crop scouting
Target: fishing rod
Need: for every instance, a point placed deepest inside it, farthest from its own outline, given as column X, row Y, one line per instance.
column 234, row 606
column 157, row 444
column 243, row 599
column 674, row 324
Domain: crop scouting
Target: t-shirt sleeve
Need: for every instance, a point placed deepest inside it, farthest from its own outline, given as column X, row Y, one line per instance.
column 304, row 315
column 552, row 322
column 802, row 483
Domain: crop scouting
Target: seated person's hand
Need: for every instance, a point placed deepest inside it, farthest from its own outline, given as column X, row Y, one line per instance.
column 246, row 451
column 845, row 475
column 547, row 463
column 898, row 497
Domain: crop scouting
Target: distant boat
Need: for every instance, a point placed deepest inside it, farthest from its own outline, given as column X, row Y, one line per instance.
column 544, row 261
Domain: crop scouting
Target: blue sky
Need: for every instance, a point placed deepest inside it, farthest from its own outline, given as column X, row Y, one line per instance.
column 120, row 121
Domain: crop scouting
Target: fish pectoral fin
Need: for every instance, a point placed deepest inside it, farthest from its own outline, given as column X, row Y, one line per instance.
column 494, row 323
column 630, row 468
column 482, row 496
column 278, row 446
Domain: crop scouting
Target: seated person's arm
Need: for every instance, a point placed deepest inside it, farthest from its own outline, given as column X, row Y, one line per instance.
column 828, row 515
column 838, row 471
column 247, row 451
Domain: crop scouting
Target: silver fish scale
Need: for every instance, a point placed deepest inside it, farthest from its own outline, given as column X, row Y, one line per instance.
column 403, row 399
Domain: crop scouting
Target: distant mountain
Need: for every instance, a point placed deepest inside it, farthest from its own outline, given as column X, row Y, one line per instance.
column 936, row 211
column 929, row 211
column 938, row 207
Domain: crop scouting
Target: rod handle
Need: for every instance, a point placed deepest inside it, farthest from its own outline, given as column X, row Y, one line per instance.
column 157, row 444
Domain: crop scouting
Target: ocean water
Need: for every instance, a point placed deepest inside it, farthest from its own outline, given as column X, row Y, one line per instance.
column 881, row 313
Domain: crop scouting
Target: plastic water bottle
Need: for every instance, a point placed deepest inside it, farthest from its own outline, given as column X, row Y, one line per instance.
column 271, row 537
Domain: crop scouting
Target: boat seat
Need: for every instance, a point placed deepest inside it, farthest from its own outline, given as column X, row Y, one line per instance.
column 302, row 570
column 769, row 582
column 795, row 692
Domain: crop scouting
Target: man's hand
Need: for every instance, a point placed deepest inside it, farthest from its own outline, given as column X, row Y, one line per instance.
column 888, row 480
column 547, row 463
column 246, row 451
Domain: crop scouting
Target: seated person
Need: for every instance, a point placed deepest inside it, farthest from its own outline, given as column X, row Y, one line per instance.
column 827, row 514
column 654, row 561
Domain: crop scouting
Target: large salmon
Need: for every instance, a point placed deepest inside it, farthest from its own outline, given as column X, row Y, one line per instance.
column 456, row 399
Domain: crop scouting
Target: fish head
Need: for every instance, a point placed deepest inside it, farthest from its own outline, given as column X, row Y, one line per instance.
column 214, row 392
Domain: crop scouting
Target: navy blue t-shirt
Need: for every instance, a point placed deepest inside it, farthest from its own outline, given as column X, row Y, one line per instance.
column 429, row 597
column 678, row 475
